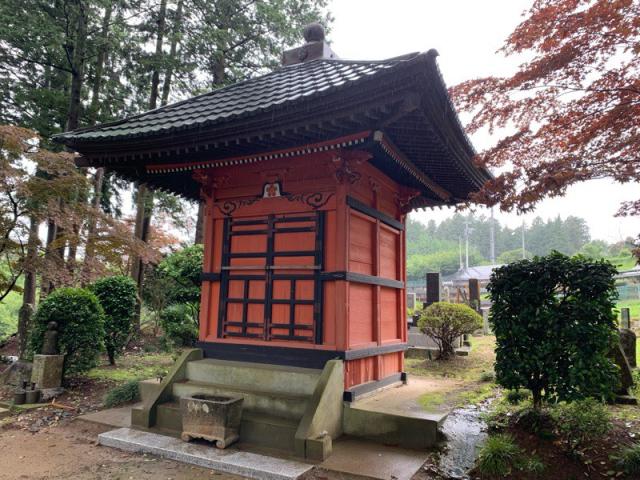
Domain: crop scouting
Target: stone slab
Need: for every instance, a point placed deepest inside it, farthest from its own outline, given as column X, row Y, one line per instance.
column 47, row 371
column 4, row 412
column 230, row 460
column 371, row 460
column 113, row 417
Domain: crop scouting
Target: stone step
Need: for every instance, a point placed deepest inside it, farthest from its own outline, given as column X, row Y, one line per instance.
column 278, row 378
column 230, row 460
column 255, row 401
column 263, row 430
column 168, row 417
column 268, row 431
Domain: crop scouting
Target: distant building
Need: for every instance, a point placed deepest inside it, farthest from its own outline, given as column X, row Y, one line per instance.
column 461, row 277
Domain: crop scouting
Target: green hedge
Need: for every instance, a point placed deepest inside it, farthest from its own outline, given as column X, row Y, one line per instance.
column 80, row 320
column 117, row 295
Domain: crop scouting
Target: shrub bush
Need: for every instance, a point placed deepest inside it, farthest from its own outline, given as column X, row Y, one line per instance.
column 487, row 377
column 499, row 456
column 537, row 421
column 514, row 397
column 125, row 393
column 80, row 320
column 554, row 325
column 581, row 422
column 445, row 322
column 117, row 295
column 629, row 460
column 179, row 327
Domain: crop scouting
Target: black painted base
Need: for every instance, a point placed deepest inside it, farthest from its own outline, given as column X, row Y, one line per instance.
column 353, row 393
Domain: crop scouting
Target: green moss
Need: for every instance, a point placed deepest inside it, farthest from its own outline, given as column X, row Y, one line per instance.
column 476, row 395
column 431, row 401
column 134, row 367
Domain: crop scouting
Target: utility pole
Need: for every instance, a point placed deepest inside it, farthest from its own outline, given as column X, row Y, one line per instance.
column 524, row 254
column 467, row 231
column 492, row 240
column 460, row 252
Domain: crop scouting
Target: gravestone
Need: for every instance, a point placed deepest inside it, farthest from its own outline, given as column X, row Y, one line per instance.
column 625, row 318
column 474, row 294
column 628, row 344
column 433, row 288
column 486, row 328
column 411, row 300
column 49, row 365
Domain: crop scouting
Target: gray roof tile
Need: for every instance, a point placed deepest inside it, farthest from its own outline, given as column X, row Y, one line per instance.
column 287, row 84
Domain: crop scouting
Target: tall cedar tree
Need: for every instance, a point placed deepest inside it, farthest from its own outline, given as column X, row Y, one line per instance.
column 573, row 107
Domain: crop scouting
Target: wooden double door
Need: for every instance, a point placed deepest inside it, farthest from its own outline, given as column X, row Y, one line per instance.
column 271, row 287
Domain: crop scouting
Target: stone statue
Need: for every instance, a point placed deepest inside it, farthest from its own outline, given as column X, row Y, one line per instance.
column 50, row 344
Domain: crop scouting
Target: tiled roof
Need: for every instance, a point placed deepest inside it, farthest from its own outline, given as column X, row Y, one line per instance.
column 283, row 86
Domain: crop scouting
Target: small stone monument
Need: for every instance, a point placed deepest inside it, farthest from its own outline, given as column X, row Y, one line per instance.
column 411, row 300
column 628, row 344
column 48, row 366
column 625, row 318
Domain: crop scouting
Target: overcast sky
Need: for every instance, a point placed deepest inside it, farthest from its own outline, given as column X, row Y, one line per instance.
column 467, row 34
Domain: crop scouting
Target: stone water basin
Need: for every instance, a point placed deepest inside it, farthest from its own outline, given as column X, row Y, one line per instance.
column 214, row 418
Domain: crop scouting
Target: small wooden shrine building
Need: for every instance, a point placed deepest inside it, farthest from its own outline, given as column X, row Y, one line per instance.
column 308, row 173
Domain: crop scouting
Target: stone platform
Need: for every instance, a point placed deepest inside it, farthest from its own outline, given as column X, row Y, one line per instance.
column 394, row 416
column 246, row 464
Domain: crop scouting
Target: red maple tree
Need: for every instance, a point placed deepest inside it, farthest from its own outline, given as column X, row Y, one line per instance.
column 572, row 109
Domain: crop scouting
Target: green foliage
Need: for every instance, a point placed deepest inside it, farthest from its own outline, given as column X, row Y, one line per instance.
column 487, row 376
column 183, row 268
column 178, row 325
column 564, row 235
column 535, row 465
column 80, row 320
column 446, row 262
column 499, row 456
column 514, row 397
column 629, row 459
column 445, row 322
column 581, row 422
column 537, row 421
column 554, row 325
column 125, row 393
column 511, row 256
column 117, row 295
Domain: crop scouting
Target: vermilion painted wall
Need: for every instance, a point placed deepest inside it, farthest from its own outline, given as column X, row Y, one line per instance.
column 355, row 315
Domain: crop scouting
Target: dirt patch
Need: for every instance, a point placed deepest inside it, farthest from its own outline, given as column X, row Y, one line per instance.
column 70, row 451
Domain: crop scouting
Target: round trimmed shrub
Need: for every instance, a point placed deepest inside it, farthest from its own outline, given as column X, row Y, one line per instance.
column 179, row 327
column 445, row 322
column 117, row 295
column 80, row 320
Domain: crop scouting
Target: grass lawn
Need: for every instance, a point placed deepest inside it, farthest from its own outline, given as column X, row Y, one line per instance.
column 459, row 381
column 134, row 366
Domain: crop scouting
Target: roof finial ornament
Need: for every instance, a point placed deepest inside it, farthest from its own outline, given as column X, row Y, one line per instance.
column 315, row 47
column 313, row 32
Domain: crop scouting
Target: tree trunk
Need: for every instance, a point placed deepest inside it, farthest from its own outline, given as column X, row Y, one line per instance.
column 155, row 76
column 175, row 37
column 199, row 239
column 98, row 180
column 46, row 285
column 144, row 207
column 77, row 70
column 29, row 288
column 100, row 62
